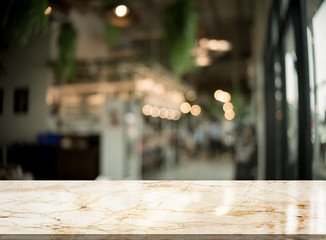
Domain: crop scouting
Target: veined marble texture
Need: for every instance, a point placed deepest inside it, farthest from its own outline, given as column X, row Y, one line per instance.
column 160, row 208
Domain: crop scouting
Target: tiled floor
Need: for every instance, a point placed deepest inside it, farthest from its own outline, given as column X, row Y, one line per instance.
column 198, row 168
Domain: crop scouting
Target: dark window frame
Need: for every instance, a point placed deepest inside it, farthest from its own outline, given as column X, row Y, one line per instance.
column 295, row 12
column 21, row 100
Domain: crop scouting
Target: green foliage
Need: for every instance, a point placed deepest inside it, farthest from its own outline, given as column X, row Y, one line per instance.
column 236, row 100
column 241, row 106
column 67, row 48
column 112, row 34
column 22, row 18
column 181, row 34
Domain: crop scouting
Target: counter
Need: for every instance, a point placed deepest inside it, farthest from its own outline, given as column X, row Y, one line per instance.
column 163, row 209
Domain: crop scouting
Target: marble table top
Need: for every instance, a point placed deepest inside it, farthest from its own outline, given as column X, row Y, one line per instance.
column 163, row 209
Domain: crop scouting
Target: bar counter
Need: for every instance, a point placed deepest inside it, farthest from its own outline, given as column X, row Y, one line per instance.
column 163, row 210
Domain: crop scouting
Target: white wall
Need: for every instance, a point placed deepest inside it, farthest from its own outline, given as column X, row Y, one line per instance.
column 25, row 67
column 91, row 36
column 91, row 42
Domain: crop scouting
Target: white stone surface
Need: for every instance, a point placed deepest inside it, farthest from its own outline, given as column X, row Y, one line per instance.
column 163, row 207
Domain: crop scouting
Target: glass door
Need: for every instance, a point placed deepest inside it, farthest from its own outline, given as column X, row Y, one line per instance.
column 292, row 99
column 316, row 35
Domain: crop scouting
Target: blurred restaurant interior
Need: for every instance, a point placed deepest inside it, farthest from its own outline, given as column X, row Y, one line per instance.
column 162, row 90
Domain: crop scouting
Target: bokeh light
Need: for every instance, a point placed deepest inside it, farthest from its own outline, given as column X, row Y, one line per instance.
column 195, row 110
column 164, row 113
column 222, row 96
column 155, row 112
column 121, row 10
column 227, row 106
column 191, row 95
column 48, row 10
column 177, row 115
column 229, row 115
column 203, row 61
column 147, row 110
column 185, row 107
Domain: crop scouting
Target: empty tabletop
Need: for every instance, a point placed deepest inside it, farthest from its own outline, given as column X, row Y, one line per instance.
column 162, row 209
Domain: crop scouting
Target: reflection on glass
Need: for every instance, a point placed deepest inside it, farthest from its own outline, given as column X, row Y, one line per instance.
column 316, row 35
column 278, row 115
column 319, row 45
column 291, row 96
column 313, row 106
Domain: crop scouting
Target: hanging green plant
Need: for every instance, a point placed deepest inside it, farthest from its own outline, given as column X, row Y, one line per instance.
column 67, row 48
column 112, row 34
column 22, row 18
column 181, row 35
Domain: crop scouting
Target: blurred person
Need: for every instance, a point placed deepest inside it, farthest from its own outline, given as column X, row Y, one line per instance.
column 245, row 154
column 214, row 136
column 190, row 142
column 199, row 137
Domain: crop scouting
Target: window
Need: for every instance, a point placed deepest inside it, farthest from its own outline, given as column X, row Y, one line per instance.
column 20, row 100
column 292, row 95
column 316, row 34
column 1, row 101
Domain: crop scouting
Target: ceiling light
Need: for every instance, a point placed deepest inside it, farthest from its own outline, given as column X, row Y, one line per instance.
column 229, row 115
column 171, row 114
column 224, row 45
column 203, row 42
column 191, row 95
column 200, row 51
column 185, row 107
column 164, row 113
column 222, row 96
column 227, row 107
column 155, row 112
column 177, row 115
column 121, row 16
column 214, row 44
column 195, row 110
column 121, row 10
column 48, row 10
column 147, row 110
column 217, row 93
column 203, row 61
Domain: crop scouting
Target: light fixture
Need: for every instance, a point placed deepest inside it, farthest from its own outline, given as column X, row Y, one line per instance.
column 120, row 16
column 222, row 96
column 227, row 107
column 48, row 10
column 185, row 107
column 229, row 115
column 121, row 10
column 191, row 95
column 215, row 45
column 224, row 45
column 147, row 110
column 177, row 115
column 155, row 112
column 164, row 113
column 203, row 42
column 203, row 61
column 195, row 110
